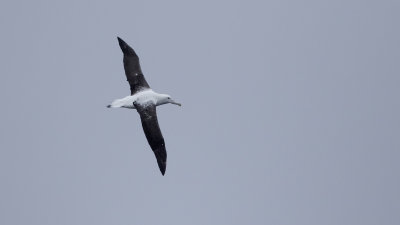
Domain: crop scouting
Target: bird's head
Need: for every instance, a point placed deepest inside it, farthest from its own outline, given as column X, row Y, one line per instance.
column 167, row 99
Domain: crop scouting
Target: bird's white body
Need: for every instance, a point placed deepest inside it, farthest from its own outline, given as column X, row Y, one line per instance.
column 144, row 97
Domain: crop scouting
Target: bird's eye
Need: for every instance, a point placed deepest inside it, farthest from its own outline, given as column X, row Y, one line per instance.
column 169, row 98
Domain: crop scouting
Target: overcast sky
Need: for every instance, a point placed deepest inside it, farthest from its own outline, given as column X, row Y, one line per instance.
column 290, row 113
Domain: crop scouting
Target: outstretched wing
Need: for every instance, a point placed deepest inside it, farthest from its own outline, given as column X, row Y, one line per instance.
column 133, row 71
column 148, row 115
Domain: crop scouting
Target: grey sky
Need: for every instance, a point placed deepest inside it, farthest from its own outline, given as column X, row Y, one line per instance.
column 290, row 113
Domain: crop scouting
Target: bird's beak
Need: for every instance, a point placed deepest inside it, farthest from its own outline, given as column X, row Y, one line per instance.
column 175, row 103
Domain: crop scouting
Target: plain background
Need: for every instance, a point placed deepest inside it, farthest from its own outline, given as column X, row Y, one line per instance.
column 290, row 113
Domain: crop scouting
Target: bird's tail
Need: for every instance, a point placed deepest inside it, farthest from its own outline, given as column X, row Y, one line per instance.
column 118, row 103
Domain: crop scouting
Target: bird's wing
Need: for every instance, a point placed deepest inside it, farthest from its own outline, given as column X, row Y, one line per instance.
column 148, row 115
column 133, row 71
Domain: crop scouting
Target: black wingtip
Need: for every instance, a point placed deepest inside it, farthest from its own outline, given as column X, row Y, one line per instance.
column 120, row 40
column 162, row 166
column 122, row 43
column 126, row 49
column 162, row 162
column 109, row 106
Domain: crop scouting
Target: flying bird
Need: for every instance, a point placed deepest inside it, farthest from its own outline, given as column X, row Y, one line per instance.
column 144, row 100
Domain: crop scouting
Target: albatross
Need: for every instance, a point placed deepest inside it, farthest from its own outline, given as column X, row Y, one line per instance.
column 144, row 100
